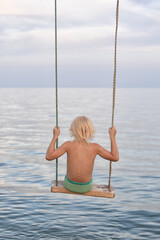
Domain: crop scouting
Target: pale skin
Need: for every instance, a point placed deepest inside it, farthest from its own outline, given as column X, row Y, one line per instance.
column 81, row 155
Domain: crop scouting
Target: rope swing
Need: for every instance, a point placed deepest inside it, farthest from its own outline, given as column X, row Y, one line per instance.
column 114, row 84
column 56, row 79
column 98, row 190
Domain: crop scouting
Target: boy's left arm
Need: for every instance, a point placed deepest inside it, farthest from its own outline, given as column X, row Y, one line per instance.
column 53, row 153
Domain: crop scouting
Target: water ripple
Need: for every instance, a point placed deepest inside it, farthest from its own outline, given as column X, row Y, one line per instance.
column 30, row 211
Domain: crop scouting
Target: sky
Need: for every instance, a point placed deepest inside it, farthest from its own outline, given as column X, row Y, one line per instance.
column 85, row 43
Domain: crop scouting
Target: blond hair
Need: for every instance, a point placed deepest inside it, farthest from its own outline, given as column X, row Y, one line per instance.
column 82, row 129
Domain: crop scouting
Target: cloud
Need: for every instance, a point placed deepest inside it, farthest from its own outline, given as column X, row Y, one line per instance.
column 85, row 34
column 23, row 7
column 144, row 2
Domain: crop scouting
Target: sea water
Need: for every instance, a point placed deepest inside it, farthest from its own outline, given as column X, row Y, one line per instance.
column 28, row 210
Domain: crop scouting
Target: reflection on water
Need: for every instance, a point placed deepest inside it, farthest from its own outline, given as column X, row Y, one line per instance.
column 30, row 211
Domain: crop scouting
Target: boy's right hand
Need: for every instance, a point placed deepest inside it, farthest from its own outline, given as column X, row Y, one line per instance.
column 112, row 132
column 56, row 132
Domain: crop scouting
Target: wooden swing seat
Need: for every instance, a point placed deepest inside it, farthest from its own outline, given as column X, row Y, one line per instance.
column 96, row 191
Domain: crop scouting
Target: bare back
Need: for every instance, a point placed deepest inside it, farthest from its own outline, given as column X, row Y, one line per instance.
column 80, row 161
column 81, row 156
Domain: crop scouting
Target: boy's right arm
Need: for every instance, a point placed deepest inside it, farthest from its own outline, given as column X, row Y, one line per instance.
column 113, row 155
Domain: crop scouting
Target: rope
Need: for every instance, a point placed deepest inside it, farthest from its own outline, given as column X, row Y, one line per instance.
column 56, row 83
column 114, row 84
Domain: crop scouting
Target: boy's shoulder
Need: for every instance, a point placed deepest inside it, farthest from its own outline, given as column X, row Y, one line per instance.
column 73, row 143
column 67, row 143
column 92, row 145
column 95, row 146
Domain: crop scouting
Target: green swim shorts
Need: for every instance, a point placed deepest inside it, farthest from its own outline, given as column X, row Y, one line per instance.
column 77, row 187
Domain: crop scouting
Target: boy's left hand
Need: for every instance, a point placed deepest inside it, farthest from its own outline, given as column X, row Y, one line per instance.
column 56, row 132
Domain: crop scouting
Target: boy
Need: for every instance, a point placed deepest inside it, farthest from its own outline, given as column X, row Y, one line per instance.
column 81, row 154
